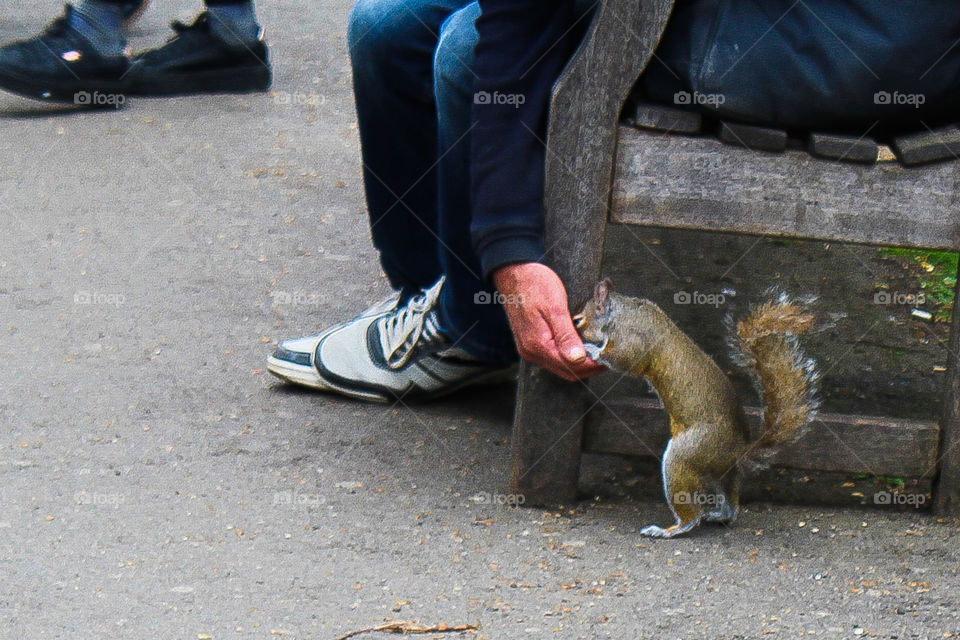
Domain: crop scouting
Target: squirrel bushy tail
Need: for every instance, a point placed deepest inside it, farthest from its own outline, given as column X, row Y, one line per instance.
column 765, row 341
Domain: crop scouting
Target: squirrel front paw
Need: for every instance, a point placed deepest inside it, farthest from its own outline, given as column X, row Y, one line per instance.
column 594, row 352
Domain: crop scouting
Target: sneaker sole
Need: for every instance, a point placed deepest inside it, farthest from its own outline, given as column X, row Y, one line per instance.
column 416, row 394
column 250, row 79
column 293, row 373
column 29, row 87
column 308, row 377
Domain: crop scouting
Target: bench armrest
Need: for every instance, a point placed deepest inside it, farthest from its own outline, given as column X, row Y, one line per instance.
column 581, row 134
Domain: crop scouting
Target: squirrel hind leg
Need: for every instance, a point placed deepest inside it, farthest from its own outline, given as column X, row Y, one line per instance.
column 725, row 513
column 683, row 490
column 727, row 502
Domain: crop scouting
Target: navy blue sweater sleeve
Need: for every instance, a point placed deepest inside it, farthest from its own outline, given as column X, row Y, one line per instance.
column 522, row 48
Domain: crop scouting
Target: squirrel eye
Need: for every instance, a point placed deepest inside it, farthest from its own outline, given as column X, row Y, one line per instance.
column 579, row 320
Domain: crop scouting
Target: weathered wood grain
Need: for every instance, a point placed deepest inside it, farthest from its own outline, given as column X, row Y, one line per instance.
column 750, row 137
column 844, row 148
column 929, row 146
column 667, row 119
column 700, row 183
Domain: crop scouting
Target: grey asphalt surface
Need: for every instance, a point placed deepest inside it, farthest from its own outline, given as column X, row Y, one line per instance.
column 155, row 482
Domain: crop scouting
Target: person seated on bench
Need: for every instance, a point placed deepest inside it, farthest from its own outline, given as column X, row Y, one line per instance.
column 452, row 99
column 854, row 67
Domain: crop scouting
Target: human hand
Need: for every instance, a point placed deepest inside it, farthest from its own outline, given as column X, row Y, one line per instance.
column 540, row 320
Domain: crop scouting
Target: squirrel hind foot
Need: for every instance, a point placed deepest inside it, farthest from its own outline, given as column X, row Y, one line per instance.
column 654, row 531
column 724, row 514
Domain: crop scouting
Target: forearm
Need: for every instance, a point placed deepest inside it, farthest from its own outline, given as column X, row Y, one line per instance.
column 523, row 46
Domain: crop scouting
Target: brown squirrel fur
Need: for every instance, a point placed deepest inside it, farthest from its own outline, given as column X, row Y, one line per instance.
column 710, row 444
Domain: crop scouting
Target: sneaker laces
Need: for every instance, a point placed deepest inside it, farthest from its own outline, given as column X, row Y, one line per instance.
column 409, row 326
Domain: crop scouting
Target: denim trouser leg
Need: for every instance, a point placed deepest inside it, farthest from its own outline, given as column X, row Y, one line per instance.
column 470, row 314
column 392, row 44
column 413, row 86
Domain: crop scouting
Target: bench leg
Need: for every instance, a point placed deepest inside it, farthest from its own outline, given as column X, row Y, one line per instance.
column 547, row 433
column 581, row 144
column 947, row 488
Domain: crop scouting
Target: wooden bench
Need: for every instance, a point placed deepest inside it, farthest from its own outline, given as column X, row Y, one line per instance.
column 598, row 170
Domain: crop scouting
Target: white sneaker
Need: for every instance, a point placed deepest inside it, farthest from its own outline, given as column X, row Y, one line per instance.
column 397, row 352
column 293, row 359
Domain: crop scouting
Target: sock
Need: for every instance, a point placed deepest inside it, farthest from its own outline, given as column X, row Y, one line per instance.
column 101, row 23
column 233, row 22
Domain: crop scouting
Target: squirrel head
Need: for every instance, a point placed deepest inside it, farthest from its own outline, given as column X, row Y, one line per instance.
column 616, row 330
column 593, row 321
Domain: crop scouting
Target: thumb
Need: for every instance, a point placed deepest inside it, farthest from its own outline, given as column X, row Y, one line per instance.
column 568, row 342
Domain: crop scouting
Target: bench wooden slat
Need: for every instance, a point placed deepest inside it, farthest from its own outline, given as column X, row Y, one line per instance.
column 668, row 119
column 833, row 442
column 700, row 183
column 844, row 148
column 751, row 137
column 928, row 146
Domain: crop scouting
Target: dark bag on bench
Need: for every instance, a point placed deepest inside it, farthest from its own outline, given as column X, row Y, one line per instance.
column 827, row 65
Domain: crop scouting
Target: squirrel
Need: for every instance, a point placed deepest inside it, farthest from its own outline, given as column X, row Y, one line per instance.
column 710, row 446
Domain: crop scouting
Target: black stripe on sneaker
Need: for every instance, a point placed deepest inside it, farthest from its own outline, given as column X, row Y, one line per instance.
column 295, row 357
column 373, row 345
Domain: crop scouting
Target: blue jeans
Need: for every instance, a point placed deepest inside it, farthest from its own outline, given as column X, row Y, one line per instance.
column 413, row 86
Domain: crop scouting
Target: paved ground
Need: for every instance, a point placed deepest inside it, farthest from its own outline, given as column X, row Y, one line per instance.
column 157, row 484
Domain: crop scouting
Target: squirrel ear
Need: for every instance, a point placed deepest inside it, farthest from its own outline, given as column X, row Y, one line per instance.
column 600, row 294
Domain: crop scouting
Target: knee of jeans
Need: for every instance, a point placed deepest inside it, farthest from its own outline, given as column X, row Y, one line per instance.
column 376, row 28
column 453, row 59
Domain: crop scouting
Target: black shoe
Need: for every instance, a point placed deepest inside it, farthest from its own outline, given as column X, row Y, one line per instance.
column 197, row 61
column 63, row 66
column 133, row 10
